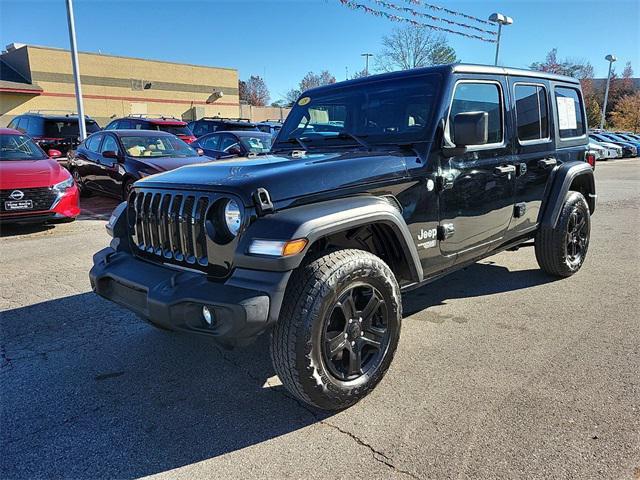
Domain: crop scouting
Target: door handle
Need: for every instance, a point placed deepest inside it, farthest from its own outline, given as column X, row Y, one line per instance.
column 504, row 169
column 547, row 163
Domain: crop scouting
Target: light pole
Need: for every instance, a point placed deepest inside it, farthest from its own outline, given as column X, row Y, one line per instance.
column 366, row 63
column 76, row 70
column 501, row 20
column 611, row 59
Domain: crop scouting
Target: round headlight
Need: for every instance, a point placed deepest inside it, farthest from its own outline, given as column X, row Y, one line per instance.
column 232, row 217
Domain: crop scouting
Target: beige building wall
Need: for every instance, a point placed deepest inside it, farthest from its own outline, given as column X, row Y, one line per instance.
column 117, row 86
column 260, row 114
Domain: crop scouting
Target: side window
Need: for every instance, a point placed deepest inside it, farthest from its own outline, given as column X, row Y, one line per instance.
column 532, row 112
column 227, row 141
column 93, row 142
column 109, row 144
column 211, row 143
column 570, row 112
column 112, row 125
column 479, row 97
column 22, row 124
column 199, row 129
column 12, row 124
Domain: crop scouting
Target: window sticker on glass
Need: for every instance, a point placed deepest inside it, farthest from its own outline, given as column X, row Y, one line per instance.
column 566, row 113
column 303, row 101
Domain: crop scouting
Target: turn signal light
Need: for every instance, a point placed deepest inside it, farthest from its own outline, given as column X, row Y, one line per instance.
column 294, row 247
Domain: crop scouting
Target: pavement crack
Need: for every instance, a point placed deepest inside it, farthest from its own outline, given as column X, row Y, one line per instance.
column 377, row 454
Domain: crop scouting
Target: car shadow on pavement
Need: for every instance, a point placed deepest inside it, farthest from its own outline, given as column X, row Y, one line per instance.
column 17, row 229
column 476, row 280
column 91, row 391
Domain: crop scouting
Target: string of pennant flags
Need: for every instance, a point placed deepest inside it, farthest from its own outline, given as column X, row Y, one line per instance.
column 415, row 13
column 446, row 10
column 395, row 18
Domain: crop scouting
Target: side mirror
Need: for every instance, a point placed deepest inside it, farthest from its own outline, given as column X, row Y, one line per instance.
column 53, row 153
column 112, row 154
column 470, row 128
column 200, row 151
column 235, row 150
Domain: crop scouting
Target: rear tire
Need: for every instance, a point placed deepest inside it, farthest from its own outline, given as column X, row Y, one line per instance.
column 338, row 329
column 561, row 251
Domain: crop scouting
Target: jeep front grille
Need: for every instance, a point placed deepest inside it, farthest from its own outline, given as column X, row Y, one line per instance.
column 170, row 225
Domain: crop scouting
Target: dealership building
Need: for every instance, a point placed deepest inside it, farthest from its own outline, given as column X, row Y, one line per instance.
column 34, row 78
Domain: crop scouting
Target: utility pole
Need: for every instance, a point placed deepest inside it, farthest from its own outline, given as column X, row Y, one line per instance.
column 501, row 20
column 366, row 63
column 611, row 59
column 76, row 70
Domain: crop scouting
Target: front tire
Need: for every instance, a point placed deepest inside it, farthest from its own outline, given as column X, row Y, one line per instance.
column 338, row 329
column 561, row 251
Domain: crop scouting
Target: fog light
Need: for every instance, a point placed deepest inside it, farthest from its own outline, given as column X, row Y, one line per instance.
column 208, row 316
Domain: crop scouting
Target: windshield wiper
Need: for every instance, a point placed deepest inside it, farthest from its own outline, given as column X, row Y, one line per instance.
column 345, row 135
column 296, row 140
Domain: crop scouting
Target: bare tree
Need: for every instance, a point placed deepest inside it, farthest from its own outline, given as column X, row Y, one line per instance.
column 413, row 47
column 577, row 68
column 310, row 80
column 254, row 91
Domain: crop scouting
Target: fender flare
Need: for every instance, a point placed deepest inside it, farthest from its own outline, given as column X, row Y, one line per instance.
column 317, row 220
column 563, row 177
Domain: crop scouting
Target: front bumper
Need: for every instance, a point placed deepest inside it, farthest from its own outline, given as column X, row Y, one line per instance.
column 244, row 305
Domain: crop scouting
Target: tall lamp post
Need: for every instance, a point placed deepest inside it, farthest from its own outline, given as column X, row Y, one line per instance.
column 501, row 20
column 611, row 59
column 76, row 69
column 366, row 63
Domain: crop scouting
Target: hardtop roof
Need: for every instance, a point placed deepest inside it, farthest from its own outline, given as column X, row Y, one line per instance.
column 448, row 69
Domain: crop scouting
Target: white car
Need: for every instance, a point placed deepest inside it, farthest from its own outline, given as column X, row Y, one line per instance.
column 613, row 150
column 601, row 152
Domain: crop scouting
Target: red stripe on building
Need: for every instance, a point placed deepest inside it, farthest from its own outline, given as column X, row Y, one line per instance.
column 138, row 99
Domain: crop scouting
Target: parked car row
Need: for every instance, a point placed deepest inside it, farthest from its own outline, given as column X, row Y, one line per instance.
column 618, row 144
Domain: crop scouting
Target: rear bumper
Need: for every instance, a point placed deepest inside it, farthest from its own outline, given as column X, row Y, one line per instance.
column 243, row 306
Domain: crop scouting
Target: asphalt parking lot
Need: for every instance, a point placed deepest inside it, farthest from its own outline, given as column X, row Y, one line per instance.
column 501, row 371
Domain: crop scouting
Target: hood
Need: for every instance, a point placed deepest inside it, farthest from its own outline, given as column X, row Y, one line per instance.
column 163, row 164
column 30, row 173
column 286, row 177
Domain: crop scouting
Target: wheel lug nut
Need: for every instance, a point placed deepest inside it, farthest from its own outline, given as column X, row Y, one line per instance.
column 353, row 344
column 362, row 334
column 345, row 335
column 351, row 320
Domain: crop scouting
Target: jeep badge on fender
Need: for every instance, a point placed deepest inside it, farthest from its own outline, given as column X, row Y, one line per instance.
column 315, row 241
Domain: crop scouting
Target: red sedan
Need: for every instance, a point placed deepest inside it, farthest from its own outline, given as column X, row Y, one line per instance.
column 33, row 186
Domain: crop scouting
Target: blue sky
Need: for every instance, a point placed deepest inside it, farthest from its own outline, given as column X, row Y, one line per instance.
column 281, row 40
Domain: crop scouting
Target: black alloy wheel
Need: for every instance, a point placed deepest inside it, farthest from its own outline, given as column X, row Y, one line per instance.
column 577, row 237
column 355, row 334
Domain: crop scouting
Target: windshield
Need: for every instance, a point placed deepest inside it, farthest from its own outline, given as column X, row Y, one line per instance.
column 67, row 128
column 19, row 147
column 156, row 146
column 257, row 143
column 395, row 111
column 174, row 129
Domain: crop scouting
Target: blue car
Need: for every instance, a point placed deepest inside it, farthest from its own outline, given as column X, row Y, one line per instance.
column 628, row 149
column 239, row 143
column 623, row 138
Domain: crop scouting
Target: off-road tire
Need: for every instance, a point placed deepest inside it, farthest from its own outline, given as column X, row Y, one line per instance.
column 552, row 251
column 297, row 339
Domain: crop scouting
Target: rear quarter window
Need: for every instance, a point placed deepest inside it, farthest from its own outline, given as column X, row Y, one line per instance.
column 570, row 112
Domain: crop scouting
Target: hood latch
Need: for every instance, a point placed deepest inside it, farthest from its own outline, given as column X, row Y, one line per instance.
column 262, row 201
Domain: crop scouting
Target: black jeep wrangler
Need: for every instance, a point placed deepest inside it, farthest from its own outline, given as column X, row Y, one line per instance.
column 373, row 187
